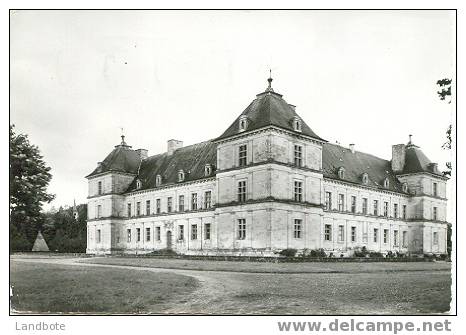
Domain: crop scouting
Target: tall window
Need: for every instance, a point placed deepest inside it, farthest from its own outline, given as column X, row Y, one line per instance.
column 169, row 204
column 376, row 207
column 128, row 235
column 147, row 207
column 138, row 208
column 353, row 234
column 99, row 211
column 194, row 201
column 241, row 229
column 129, row 210
column 297, row 228
column 180, row 232
column 376, row 235
column 147, row 234
column 298, row 191
column 434, row 213
column 395, row 211
column 138, row 234
column 181, row 203
column 99, row 235
column 341, row 233
column 298, row 155
column 364, row 205
column 385, row 236
column 157, row 233
column 207, row 231
column 405, row 239
column 385, row 209
column 328, row 232
column 242, row 155
column 207, row 199
column 435, row 238
column 99, row 187
column 353, row 204
column 328, row 200
column 341, row 202
column 157, row 206
column 194, row 232
column 434, row 189
column 404, row 212
column 242, row 191
column 395, row 238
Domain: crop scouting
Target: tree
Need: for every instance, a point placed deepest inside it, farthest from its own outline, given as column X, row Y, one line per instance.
column 445, row 91
column 29, row 178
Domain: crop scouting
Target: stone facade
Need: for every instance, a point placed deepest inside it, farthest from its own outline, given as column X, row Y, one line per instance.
column 269, row 191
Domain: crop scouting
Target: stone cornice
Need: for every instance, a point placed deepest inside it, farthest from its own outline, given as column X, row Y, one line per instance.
column 167, row 186
column 366, row 187
column 267, row 200
column 431, row 174
column 89, row 177
column 270, row 161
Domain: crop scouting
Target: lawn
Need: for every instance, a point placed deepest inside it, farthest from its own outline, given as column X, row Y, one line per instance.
column 50, row 288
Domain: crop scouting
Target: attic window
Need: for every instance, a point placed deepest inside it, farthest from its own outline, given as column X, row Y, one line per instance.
column 180, row 175
column 386, row 183
column 243, row 123
column 158, row 180
column 207, row 170
column 405, row 187
column 365, row 178
column 297, row 124
column 138, row 184
column 341, row 173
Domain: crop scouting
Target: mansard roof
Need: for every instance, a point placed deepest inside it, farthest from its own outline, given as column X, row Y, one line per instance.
column 191, row 159
column 121, row 159
column 356, row 164
column 416, row 161
column 269, row 109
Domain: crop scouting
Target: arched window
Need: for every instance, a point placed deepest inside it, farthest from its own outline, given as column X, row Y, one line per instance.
column 386, row 183
column 405, row 187
column 207, row 170
column 158, row 180
column 180, row 175
column 297, row 124
column 243, row 123
column 365, row 178
column 138, row 184
column 341, row 173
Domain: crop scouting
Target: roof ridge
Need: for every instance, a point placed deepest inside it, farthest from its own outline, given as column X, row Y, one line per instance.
column 182, row 148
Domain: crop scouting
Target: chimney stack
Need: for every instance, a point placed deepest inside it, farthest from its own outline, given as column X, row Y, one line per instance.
column 143, row 153
column 173, row 145
column 398, row 157
column 351, row 146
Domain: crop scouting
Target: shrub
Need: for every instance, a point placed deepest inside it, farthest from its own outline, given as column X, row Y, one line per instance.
column 375, row 254
column 361, row 252
column 288, row 252
column 318, row 253
column 163, row 252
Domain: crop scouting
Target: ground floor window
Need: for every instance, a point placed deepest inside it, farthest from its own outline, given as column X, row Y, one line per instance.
column 435, row 238
column 385, row 236
column 328, row 232
column 194, row 232
column 207, row 231
column 405, row 239
column 341, row 233
column 353, row 234
column 128, row 234
column 297, row 228
column 99, row 235
column 376, row 235
column 241, row 229
column 147, row 234
column 138, row 234
column 395, row 238
column 157, row 233
column 180, row 232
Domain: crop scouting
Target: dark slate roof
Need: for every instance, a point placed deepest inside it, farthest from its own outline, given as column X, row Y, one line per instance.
column 355, row 164
column 191, row 159
column 269, row 108
column 121, row 159
column 416, row 161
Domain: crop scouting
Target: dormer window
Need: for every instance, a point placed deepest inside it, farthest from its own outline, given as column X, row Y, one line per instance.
column 297, row 124
column 180, row 176
column 138, row 184
column 243, row 123
column 158, row 180
column 341, row 173
column 207, row 170
column 365, row 178
column 386, row 183
column 405, row 187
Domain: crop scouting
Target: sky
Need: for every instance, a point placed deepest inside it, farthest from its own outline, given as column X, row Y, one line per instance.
column 363, row 77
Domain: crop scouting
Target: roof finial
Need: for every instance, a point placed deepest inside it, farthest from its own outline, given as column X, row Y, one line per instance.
column 122, row 137
column 270, row 81
column 410, row 139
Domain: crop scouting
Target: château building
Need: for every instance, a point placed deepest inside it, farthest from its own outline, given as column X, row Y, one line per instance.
column 267, row 183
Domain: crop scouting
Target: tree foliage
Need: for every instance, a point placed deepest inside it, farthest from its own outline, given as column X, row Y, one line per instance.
column 29, row 178
column 445, row 91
